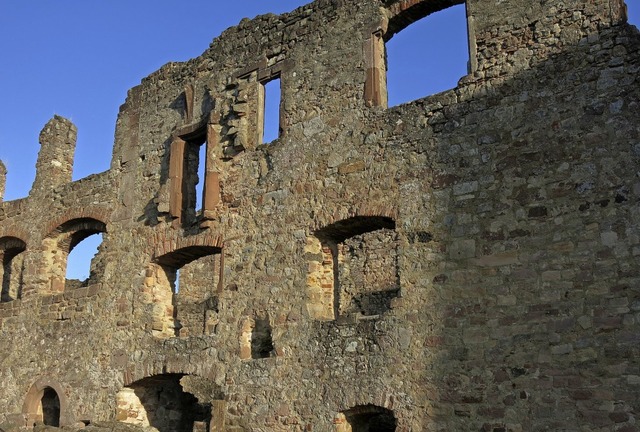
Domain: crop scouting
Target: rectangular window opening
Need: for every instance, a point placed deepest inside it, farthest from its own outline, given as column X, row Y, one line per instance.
column 271, row 111
column 415, row 67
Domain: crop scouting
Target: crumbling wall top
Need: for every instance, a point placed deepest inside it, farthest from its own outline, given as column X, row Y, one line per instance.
column 55, row 159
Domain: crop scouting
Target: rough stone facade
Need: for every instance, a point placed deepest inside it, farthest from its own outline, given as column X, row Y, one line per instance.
column 465, row 262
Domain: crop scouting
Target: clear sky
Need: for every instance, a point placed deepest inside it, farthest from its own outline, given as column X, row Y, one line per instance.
column 78, row 58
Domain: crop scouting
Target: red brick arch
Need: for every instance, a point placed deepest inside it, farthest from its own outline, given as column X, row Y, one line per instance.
column 73, row 231
column 99, row 214
column 361, row 211
column 403, row 13
column 9, row 243
column 11, row 287
column 171, row 243
column 14, row 232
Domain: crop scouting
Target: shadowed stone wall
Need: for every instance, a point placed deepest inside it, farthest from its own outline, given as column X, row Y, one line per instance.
column 492, row 230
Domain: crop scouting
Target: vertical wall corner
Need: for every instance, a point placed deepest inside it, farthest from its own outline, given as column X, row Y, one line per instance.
column 3, row 179
column 375, row 87
column 472, row 41
column 55, row 159
column 176, row 172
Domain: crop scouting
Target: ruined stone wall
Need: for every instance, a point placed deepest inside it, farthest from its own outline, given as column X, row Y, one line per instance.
column 505, row 211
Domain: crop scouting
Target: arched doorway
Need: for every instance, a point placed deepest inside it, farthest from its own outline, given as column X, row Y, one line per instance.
column 50, row 407
column 46, row 403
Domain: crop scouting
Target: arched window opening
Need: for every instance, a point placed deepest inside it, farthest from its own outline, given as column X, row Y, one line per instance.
column 160, row 401
column 11, row 249
column 352, row 268
column 184, row 287
column 80, row 262
column 366, row 418
column 409, row 60
column 59, row 244
column 50, row 407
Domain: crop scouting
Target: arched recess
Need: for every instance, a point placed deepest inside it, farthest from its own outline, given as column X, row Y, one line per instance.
column 352, row 268
column 12, row 270
column 60, row 242
column 161, row 402
column 398, row 16
column 366, row 418
column 256, row 339
column 183, row 287
column 46, row 402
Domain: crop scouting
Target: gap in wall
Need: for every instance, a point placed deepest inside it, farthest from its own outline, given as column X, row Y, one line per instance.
column 428, row 57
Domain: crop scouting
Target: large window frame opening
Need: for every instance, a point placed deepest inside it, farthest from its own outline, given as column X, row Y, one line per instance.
column 183, row 288
column 352, row 268
column 415, row 30
column 194, row 181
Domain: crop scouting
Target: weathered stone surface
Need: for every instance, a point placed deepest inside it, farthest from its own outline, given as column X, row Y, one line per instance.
column 466, row 261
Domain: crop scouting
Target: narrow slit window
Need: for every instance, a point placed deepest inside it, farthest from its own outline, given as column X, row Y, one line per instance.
column 271, row 122
column 176, row 283
column 193, row 180
column 419, row 63
column 202, row 158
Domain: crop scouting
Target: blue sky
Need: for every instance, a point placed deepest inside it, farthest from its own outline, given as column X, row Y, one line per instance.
column 78, row 58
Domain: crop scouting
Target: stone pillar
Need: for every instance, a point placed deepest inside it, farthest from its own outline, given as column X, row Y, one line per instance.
column 375, row 85
column 55, row 159
column 126, row 153
column 212, row 177
column 3, row 179
column 176, row 172
column 218, row 412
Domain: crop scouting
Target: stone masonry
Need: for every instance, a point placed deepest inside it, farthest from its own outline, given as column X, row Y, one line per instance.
column 469, row 261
